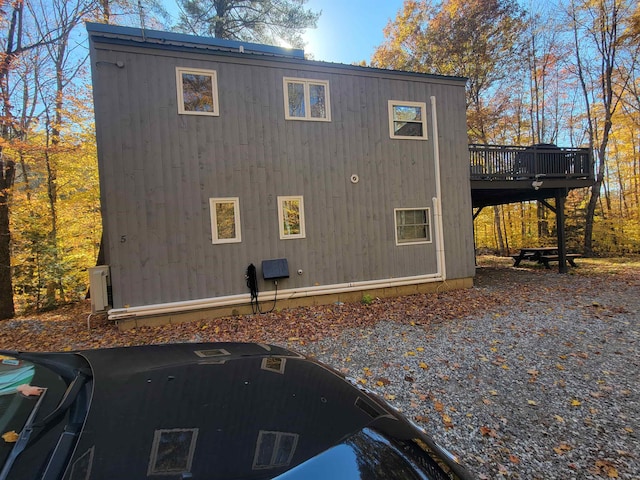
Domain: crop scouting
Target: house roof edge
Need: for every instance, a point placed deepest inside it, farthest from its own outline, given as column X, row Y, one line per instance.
column 160, row 37
column 171, row 40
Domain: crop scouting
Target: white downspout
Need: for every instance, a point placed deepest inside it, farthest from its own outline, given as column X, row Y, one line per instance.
column 437, row 200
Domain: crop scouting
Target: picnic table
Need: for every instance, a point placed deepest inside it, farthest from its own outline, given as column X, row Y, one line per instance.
column 542, row 255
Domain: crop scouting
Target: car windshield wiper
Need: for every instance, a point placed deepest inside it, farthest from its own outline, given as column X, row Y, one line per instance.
column 23, row 439
column 64, row 364
column 80, row 377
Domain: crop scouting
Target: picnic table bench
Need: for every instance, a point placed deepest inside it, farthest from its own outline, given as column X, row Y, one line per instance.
column 542, row 255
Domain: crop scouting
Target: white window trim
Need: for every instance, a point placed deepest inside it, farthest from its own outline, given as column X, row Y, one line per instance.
column 417, row 242
column 214, row 220
column 283, row 235
column 307, row 99
column 214, row 85
column 400, row 103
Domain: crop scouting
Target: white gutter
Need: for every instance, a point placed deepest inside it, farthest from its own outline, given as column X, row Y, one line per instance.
column 205, row 303
column 437, row 200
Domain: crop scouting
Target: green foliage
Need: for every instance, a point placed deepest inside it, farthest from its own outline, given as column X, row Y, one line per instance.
column 48, row 270
column 366, row 299
column 528, row 224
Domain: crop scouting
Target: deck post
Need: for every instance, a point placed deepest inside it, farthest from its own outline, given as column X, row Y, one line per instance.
column 562, row 244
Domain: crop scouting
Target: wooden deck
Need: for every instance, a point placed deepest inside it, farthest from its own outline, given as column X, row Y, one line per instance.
column 509, row 174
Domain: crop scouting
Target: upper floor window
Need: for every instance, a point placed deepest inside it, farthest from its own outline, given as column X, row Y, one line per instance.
column 306, row 99
column 408, row 120
column 225, row 220
column 197, row 91
column 291, row 217
column 412, row 225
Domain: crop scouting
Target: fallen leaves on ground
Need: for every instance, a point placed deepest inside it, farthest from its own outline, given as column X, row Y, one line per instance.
column 562, row 448
column 66, row 328
column 606, row 468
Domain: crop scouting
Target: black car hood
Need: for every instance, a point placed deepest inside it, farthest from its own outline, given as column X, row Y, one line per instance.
column 220, row 411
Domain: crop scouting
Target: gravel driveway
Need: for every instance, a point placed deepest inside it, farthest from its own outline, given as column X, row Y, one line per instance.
column 530, row 374
column 544, row 387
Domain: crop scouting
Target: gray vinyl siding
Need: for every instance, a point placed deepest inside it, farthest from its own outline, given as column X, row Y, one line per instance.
column 158, row 170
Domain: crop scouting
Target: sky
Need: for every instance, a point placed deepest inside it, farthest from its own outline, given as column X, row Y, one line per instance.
column 349, row 30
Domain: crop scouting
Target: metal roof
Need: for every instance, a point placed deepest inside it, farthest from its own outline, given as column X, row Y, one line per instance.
column 180, row 39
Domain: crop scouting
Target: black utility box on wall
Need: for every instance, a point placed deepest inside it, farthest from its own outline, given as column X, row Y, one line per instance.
column 275, row 269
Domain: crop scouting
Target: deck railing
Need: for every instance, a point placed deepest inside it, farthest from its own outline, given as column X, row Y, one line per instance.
column 494, row 162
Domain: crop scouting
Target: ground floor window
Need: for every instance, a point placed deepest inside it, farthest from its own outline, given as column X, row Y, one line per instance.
column 225, row 220
column 412, row 225
column 291, row 217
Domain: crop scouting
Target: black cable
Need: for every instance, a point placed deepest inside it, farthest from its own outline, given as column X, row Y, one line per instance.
column 252, row 282
column 275, row 298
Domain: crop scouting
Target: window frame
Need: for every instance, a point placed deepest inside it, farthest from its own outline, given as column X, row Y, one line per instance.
column 153, row 468
column 214, row 93
column 423, row 122
column 215, row 239
column 307, row 99
column 273, row 463
column 427, row 240
column 283, row 234
column 268, row 364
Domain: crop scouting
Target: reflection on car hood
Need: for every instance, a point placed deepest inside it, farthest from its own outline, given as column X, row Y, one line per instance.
column 216, row 411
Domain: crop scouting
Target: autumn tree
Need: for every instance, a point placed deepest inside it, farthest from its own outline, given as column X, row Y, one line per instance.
column 633, row 30
column 39, row 61
column 476, row 39
column 17, row 104
column 602, row 66
column 261, row 21
column 63, row 63
column 141, row 13
column 546, row 51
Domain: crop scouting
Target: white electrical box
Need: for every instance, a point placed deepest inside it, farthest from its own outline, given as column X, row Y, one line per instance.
column 99, row 288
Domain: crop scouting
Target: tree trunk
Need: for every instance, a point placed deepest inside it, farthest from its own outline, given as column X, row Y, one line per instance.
column 7, row 167
column 106, row 11
column 498, row 226
column 591, row 211
column 7, row 309
column 543, row 224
